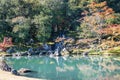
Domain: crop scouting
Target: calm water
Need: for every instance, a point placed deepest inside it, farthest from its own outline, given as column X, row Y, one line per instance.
column 70, row 68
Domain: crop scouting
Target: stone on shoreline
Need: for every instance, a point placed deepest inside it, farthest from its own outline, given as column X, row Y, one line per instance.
column 4, row 66
column 24, row 70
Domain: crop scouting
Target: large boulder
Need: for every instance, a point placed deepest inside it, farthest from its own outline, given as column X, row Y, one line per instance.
column 4, row 66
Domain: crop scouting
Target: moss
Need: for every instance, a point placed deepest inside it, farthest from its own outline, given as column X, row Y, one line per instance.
column 93, row 52
column 115, row 50
column 50, row 43
column 3, row 53
column 77, row 51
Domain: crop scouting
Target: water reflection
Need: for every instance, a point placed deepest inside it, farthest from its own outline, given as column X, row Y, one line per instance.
column 70, row 68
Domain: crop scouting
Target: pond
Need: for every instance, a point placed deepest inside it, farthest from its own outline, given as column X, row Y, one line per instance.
column 69, row 68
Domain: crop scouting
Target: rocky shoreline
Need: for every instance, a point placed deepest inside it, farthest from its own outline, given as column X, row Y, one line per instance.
column 8, row 73
column 9, row 76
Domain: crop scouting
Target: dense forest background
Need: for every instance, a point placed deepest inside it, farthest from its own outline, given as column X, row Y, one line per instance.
column 44, row 20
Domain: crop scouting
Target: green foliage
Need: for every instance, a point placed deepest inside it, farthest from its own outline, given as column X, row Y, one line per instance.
column 41, row 19
column 21, row 30
column 115, row 20
column 43, row 25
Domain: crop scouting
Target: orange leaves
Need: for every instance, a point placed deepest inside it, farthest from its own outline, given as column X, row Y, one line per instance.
column 110, row 10
column 98, row 9
column 105, row 8
column 96, row 17
column 106, row 12
column 113, row 29
column 92, row 5
column 101, row 4
column 102, row 9
column 95, row 21
column 108, row 44
column 97, row 5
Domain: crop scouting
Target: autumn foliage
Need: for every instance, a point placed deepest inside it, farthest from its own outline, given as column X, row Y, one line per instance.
column 113, row 29
column 7, row 42
column 94, row 21
column 100, row 9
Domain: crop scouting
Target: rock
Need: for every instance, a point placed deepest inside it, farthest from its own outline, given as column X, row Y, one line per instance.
column 13, row 71
column 30, row 51
column 64, row 52
column 86, row 53
column 4, row 66
column 24, row 70
column 10, row 50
